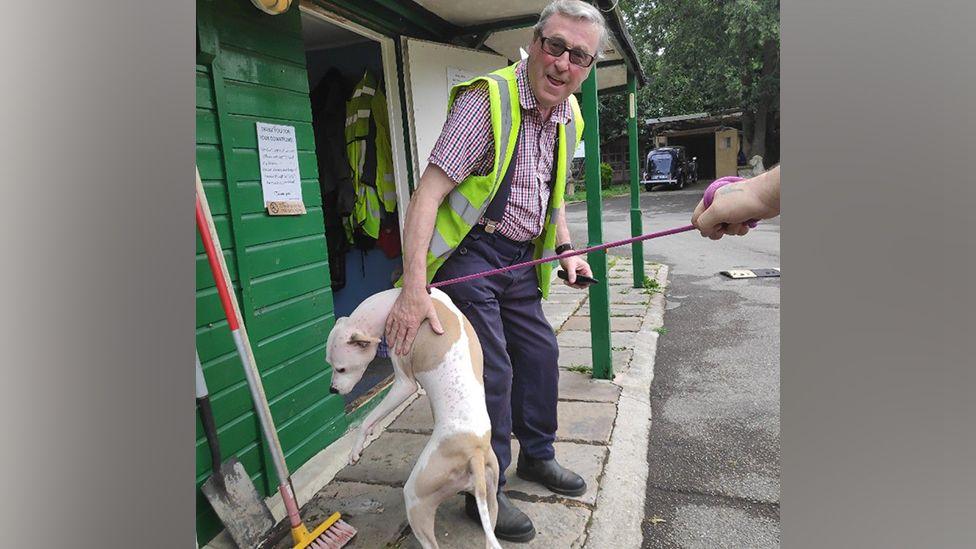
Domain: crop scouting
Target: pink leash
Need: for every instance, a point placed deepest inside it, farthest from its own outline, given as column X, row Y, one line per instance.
column 707, row 199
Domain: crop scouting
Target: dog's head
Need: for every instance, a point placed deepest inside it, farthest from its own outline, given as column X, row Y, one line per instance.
column 349, row 350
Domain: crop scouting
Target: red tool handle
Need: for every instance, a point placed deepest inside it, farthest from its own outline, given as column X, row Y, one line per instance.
column 222, row 285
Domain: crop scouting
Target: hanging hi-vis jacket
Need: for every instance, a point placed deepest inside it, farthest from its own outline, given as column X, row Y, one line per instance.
column 466, row 204
column 370, row 155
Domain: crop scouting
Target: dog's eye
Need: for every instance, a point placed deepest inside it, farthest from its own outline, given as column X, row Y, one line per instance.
column 362, row 344
column 341, row 370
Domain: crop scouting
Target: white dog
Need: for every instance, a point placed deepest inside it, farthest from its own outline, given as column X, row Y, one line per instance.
column 458, row 457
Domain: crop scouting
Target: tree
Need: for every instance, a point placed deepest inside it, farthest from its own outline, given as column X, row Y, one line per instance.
column 704, row 56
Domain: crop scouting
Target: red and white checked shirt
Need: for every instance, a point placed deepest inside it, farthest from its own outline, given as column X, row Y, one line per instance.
column 465, row 147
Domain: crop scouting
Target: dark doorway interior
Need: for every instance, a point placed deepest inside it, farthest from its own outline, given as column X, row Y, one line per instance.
column 701, row 146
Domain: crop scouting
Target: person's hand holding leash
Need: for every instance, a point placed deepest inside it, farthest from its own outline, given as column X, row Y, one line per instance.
column 735, row 205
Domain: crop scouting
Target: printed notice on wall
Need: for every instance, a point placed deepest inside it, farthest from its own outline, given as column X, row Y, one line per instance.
column 456, row 76
column 281, row 183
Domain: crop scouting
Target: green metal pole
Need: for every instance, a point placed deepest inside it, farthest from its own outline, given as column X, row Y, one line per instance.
column 636, row 225
column 599, row 293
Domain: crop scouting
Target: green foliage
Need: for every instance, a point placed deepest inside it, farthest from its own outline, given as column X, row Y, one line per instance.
column 613, row 190
column 606, row 174
column 699, row 56
column 651, row 285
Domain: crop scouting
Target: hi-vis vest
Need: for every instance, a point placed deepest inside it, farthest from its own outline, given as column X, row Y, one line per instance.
column 370, row 155
column 466, row 204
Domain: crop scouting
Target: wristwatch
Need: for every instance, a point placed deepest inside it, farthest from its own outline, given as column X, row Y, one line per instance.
column 563, row 248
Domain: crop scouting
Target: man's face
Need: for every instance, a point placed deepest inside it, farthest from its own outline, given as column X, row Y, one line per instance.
column 553, row 79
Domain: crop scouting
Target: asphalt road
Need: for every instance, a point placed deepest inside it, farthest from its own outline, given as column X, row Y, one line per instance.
column 713, row 459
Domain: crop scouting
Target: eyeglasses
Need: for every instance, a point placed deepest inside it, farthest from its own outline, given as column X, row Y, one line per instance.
column 555, row 47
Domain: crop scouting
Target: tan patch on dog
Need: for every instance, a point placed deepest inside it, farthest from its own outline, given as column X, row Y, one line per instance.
column 477, row 358
column 450, row 461
column 429, row 348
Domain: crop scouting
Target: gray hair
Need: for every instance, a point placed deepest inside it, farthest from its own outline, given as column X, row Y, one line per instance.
column 575, row 9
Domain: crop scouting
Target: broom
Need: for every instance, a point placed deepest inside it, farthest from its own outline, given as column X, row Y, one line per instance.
column 334, row 532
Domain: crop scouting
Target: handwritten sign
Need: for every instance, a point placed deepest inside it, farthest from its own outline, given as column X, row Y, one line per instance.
column 281, row 182
column 456, row 76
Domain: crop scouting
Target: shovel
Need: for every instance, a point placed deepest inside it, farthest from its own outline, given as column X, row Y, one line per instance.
column 229, row 489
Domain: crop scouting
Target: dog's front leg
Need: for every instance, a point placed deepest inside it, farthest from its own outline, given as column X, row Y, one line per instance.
column 402, row 388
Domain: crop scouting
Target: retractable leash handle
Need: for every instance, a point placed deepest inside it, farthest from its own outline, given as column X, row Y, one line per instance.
column 718, row 184
column 707, row 198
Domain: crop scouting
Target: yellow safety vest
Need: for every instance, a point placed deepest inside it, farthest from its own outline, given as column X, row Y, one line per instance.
column 466, row 204
column 370, row 156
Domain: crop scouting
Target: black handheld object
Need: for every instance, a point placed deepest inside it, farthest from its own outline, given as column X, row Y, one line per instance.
column 580, row 279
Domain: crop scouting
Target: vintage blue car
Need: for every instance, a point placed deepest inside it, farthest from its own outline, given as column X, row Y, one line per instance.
column 668, row 167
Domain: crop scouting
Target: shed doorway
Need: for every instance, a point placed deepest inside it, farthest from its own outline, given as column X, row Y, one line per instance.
column 344, row 60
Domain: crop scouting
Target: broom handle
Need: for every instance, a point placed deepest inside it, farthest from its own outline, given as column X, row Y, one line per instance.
column 211, row 243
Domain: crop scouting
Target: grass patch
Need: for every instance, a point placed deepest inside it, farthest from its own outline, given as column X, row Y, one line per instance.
column 661, row 330
column 579, row 368
column 613, row 190
column 651, row 285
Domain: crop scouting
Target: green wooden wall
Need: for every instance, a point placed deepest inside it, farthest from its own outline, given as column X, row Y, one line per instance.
column 251, row 68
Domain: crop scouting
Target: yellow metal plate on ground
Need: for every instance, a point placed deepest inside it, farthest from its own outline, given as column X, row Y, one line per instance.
column 751, row 273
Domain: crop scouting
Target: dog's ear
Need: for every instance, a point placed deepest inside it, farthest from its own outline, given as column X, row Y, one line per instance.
column 360, row 337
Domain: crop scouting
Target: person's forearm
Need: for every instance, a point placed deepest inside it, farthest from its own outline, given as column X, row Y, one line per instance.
column 767, row 189
column 562, row 230
column 419, row 225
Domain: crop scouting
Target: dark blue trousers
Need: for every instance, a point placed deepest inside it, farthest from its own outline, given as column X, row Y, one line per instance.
column 519, row 345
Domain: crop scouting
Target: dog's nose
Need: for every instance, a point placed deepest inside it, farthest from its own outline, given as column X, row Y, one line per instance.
column 333, row 390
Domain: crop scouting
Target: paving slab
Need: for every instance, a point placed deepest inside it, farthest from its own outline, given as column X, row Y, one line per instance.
column 585, row 459
column 377, row 512
column 585, row 421
column 617, row 323
column 557, row 313
column 565, row 297
column 388, row 460
column 577, row 386
column 417, row 418
column 618, row 309
column 582, row 339
column 571, row 357
column 557, row 526
column 633, row 297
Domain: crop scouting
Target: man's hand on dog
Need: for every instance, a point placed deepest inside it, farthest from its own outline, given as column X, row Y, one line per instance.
column 412, row 307
column 572, row 266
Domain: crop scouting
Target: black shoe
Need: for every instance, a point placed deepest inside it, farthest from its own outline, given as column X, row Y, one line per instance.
column 512, row 525
column 550, row 474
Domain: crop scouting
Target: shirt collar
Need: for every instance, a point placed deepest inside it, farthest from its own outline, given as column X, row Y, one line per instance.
column 560, row 113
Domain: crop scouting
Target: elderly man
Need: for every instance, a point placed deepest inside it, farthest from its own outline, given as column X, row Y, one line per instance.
column 492, row 196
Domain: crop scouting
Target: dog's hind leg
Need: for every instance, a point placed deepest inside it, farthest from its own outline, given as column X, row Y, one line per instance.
column 422, row 500
column 421, row 517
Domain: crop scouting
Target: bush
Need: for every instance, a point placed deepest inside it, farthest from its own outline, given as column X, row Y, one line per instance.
column 606, row 174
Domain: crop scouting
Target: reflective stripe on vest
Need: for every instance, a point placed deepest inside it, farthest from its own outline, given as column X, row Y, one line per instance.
column 458, row 202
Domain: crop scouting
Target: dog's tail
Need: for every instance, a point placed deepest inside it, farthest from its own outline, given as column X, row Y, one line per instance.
column 477, row 466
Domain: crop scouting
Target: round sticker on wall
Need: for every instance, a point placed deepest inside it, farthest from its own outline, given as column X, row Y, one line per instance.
column 272, row 7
